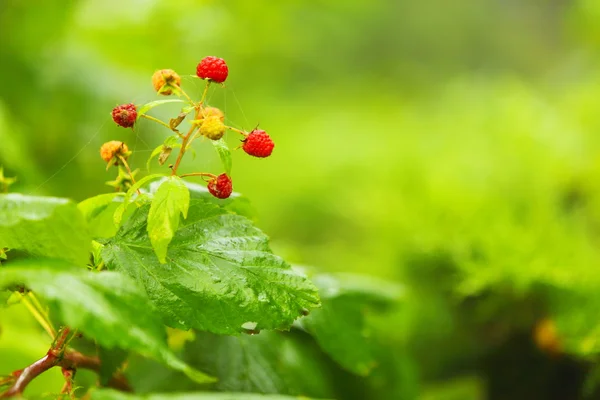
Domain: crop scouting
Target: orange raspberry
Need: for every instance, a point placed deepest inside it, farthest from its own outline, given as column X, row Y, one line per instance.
column 165, row 80
column 111, row 150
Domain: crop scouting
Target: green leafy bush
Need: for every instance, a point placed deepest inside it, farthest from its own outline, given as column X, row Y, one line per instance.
column 176, row 274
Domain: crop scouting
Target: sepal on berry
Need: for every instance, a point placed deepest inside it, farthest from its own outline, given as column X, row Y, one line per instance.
column 166, row 81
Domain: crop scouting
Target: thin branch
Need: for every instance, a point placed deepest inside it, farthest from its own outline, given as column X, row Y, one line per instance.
column 202, row 174
column 58, row 357
column 148, row 117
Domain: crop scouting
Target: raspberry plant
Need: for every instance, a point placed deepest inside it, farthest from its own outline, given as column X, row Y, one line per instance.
column 105, row 277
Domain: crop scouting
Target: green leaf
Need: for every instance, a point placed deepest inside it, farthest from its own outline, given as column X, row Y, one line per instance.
column 170, row 142
column 224, row 154
column 98, row 212
column 110, row 362
column 44, row 226
column 339, row 326
column 148, row 106
column 118, row 216
column 171, row 199
column 107, row 394
column 236, row 203
column 107, row 306
column 271, row 362
column 220, row 273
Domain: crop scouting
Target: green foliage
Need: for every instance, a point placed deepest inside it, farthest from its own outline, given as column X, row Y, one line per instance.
column 143, row 109
column 120, row 211
column 339, row 326
column 219, row 276
column 113, row 395
column 49, row 227
column 112, row 360
column 270, row 362
column 98, row 212
column 170, row 200
column 107, row 306
column 224, row 154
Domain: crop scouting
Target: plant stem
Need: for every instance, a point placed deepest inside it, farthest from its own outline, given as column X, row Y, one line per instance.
column 126, row 165
column 40, row 317
column 204, row 94
column 237, row 130
column 185, row 95
column 157, row 121
column 209, row 175
column 184, row 143
column 70, row 361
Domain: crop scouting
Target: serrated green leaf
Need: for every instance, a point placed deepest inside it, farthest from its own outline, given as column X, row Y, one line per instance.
column 148, row 106
column 44, row 226
column 270, row 362
column 98, row 212
column 106, row 394
column 170, row 200
column 339, row 326
column 118, row 216
column 220, row 273
column 107, row 306
column 224, row 154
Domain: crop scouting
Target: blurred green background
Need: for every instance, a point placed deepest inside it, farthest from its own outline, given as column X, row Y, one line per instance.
column 451, row 146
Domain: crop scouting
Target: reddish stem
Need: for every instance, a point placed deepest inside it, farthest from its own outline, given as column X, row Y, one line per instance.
column 57, row 357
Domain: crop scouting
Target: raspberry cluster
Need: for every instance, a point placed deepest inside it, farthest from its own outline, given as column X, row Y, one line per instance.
column 207, row 122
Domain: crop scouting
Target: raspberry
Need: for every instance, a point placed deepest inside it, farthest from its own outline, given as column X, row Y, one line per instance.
column 213, row 112
column 258, row 143
column 125, row 115
column 220, row 187
column 165, row 80
column 112, row 149
column 212, row 68
column 213, row 128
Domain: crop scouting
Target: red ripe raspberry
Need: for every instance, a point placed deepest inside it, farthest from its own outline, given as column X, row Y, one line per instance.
column 125, row 115
column 220, row 187
column 258, row 143
column 212, row 68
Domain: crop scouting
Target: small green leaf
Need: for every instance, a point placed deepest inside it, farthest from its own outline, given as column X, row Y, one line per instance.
column 108, row 394
column 171, row 199
column 121, row 209
column 98, row 212
column 44, row 226
column 224, row 154
column 170, row 142
column 219, row 276
column 236, row 203
column 107, row 306
column 148, row 106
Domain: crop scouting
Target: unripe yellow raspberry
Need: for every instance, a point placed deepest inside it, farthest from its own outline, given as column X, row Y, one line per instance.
column 213, row 128
column 113, row 149
column 213, row 112
column 165, row 80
